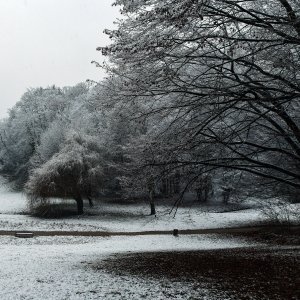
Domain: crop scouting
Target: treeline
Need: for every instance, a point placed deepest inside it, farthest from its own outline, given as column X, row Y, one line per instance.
column 59, row 142
column 201, row 95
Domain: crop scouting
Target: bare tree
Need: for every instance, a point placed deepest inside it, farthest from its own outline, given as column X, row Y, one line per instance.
column 222, row 75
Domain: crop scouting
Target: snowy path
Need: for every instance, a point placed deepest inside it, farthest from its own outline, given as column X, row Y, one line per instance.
column 228, row 230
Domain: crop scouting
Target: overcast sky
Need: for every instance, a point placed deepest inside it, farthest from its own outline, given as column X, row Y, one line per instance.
column 46, row 42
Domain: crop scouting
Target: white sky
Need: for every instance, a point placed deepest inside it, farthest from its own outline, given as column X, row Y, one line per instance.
column 46, row 42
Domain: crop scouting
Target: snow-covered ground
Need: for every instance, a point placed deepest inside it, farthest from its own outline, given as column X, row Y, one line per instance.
column 64, row 267
column 61, row 267
column 118, row 217
column 11, row 202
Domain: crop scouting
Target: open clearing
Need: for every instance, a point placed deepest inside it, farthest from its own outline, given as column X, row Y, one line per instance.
column 129, row 217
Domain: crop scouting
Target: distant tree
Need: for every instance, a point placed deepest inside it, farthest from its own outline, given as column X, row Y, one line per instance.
column 20, row 133
column 36, row 127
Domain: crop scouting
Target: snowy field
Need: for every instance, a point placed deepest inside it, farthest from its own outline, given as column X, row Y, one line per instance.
column 120, row 217
column 63, row 267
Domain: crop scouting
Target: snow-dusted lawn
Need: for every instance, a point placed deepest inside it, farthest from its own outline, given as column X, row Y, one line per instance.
column 119, row 217
column 64, row 267
column 11, row 202
column 60, row 267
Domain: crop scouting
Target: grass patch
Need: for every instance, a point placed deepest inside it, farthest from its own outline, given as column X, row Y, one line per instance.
column 233, row 274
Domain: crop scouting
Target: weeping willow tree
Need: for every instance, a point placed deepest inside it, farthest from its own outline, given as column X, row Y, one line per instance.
column 73, row 173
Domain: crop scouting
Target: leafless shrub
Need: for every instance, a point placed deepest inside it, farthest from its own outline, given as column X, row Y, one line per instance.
column 281, row 212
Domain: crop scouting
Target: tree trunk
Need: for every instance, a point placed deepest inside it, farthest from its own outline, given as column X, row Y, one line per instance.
column 79, row 202
column 152, row 204
column 206, row 191
column 226, row 196
column 199, row 194
column 90, row 202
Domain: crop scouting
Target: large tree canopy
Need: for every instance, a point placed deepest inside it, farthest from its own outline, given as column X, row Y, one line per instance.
column 200, row 93
column 223, row 76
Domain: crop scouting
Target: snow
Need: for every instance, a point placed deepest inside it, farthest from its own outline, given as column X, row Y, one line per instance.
column 61, row 267
column 183, row 220
column 64, row 267
column 118, row 217
column 11, row 202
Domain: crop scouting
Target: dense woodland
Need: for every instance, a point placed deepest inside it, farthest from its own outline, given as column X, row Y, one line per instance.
column 200, row 95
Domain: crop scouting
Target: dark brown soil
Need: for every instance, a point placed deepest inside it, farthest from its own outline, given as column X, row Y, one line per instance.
column 274, row 236
column 239, row 274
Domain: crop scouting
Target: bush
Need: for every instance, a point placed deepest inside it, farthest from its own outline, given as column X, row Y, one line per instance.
column 47, row 208
column 280, row 212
